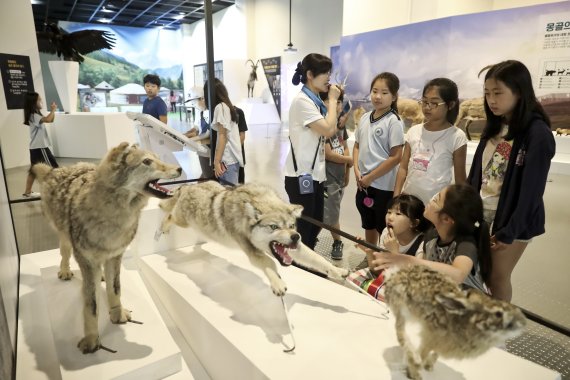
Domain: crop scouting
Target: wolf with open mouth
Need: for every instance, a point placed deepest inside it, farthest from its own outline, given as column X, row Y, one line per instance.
column 251, row 216
column 95, row 210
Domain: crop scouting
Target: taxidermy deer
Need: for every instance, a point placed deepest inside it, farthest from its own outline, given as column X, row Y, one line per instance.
column 453, row 323
column 252, row 77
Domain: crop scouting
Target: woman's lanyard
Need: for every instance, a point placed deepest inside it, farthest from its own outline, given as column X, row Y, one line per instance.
column 316, row 99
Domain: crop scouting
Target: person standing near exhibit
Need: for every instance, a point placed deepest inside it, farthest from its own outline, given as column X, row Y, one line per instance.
column 227, row 147
column 436, row 148
column 202, row 134
column 153, row 104
column 310, row 123
column 39, row 140
column 172, row 99
column 242, row 127
column 510, row 168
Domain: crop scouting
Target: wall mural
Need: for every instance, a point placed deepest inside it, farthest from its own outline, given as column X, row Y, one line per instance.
column 459, row 47
column 114, row 77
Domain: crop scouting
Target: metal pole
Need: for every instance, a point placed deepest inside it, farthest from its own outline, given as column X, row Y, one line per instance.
column 210, row 65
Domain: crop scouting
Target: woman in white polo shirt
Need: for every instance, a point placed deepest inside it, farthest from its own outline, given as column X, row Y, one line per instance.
column 310, row 122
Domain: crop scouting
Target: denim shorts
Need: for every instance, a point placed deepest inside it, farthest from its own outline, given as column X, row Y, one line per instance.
column 231, row 174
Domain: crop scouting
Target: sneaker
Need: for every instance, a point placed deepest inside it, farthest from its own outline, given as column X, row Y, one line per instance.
column 33, row 194
column 336, row 253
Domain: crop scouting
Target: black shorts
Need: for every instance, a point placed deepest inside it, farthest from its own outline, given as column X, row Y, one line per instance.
column 373, row 218
column 42, row 155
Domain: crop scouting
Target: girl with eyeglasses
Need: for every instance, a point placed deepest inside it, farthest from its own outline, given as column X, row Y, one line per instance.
column 435, row 149
column 510, row 167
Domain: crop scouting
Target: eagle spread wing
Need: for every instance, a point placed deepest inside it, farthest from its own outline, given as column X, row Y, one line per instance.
column 73, row 45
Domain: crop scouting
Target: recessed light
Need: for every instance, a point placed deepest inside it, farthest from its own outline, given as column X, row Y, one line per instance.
column 104, row 20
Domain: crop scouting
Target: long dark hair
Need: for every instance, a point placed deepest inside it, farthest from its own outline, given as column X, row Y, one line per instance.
column 448, row 92
column 393, row 85
column 413, row 208
column 220, row 96
column 517, row 78
column 30, row 106
column 464, row 205
column 315, row 63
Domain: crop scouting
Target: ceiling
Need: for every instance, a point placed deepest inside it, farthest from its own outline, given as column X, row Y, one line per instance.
column 169, row 14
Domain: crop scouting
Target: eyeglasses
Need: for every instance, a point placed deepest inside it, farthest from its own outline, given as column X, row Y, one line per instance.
column 429, row 105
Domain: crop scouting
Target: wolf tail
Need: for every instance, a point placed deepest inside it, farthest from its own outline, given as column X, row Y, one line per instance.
column 40, row 171
column 168, row 204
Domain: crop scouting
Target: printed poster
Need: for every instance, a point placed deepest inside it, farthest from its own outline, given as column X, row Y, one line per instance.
column 16, row 78
column 272, row 69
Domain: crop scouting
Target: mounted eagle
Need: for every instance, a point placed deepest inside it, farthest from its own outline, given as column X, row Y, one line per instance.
column 73, row 45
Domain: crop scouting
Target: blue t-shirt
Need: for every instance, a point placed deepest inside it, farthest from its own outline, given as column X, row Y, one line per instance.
column 154, row 107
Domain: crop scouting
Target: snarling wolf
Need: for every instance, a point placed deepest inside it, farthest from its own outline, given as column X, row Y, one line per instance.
column 95, row 210
column 251, row 216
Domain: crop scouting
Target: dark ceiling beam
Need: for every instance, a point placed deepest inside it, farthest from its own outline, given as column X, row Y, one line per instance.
column 97, row 10
column 166, row 13
column 72, row 9
column 121, row 10
column 143, row 12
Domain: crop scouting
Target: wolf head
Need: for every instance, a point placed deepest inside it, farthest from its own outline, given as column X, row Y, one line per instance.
column 273, row 226
column 136, row 170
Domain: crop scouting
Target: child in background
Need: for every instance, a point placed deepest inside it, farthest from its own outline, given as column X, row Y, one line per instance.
column 405, row 227
column 153, row 105
column 338, row 160
column 377, row 153
column 435, row 147
column 39, row 140
column 510, row 168
column 458, row 245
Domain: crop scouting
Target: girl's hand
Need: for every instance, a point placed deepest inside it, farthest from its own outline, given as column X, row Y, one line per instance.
column 358, row 177
column 390, row 242
column 219, row 169
column 497, row 245
column 385, row 260
column 53, row 106
column 366, row 180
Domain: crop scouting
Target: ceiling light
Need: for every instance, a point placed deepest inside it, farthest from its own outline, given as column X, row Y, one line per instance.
column 290, row 48
column 106, row 10
column 179, row 17
column 105, row 20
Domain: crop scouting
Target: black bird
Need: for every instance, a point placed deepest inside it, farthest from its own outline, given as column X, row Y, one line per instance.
column 73, row 45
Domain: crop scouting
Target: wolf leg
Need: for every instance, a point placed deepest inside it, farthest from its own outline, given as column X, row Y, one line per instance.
column 267, row 265
column 65, row 249
column 91, row 277
column 312, row 260
column 117, row 313
column 413, row 360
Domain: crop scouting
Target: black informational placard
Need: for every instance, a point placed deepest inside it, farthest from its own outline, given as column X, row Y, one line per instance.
column 17, row 79
column 272, row 68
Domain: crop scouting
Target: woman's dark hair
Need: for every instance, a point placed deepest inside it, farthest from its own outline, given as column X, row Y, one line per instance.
column 449, row 93
column 220, row 96
column 315, row 63
column 464, row 205
column 151, row 78
column 413, row 208
column 30, row 106
column 517, row 78
column 393, row 85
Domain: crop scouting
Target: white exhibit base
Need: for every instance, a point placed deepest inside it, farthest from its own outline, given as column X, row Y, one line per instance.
column 89, row 135
column 51, row 324
column 237, row 327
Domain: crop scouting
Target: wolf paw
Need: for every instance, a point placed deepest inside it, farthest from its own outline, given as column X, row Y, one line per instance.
column 65, row 274
column 89, row 344
column 119, row 315
column 278, row 287
column 337, row 273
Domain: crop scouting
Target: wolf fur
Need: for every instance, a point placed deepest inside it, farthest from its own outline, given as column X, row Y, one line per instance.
column 251, row 216
column 453, row 323
column 95, row 210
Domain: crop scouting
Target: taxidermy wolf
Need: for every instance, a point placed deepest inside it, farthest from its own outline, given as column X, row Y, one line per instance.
column 454, row 323
column 251, row 216
column 95, row 210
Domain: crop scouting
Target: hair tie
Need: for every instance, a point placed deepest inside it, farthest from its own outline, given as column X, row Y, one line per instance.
column 298, row 74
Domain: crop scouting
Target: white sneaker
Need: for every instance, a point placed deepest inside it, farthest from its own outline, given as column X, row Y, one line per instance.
column 33, row 194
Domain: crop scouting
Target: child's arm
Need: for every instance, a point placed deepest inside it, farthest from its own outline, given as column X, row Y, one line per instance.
column 51, row 116
column 355, row 165
column 403, row 170
column 220, row 147
column 331, row 155
column 384, row 167
column 459, row 158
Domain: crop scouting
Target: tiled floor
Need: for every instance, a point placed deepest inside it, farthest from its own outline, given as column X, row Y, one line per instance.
column 541, row 282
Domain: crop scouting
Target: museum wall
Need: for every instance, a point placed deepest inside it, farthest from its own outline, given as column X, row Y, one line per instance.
column 368, row 15
column 18, row 37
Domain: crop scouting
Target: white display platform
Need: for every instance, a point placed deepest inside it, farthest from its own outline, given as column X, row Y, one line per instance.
column 88, row 134
column 236, row 326
column 51, row 324
column 259, row 113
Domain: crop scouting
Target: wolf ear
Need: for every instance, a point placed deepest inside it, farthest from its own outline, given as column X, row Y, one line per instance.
column 452, row 303
column 296, row 210
column 251, row 212
column 117, row 151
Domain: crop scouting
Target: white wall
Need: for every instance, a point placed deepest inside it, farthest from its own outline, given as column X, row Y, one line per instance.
column 366, row 15
column 18, row 37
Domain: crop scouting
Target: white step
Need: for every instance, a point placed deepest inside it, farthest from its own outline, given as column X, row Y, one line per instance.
column 51, row 324
column 236, row 327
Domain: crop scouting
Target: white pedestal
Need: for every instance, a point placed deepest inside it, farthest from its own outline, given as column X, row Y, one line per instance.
column 89, row 135
column 227, row 313
column 51, row 324
column 259, row 113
